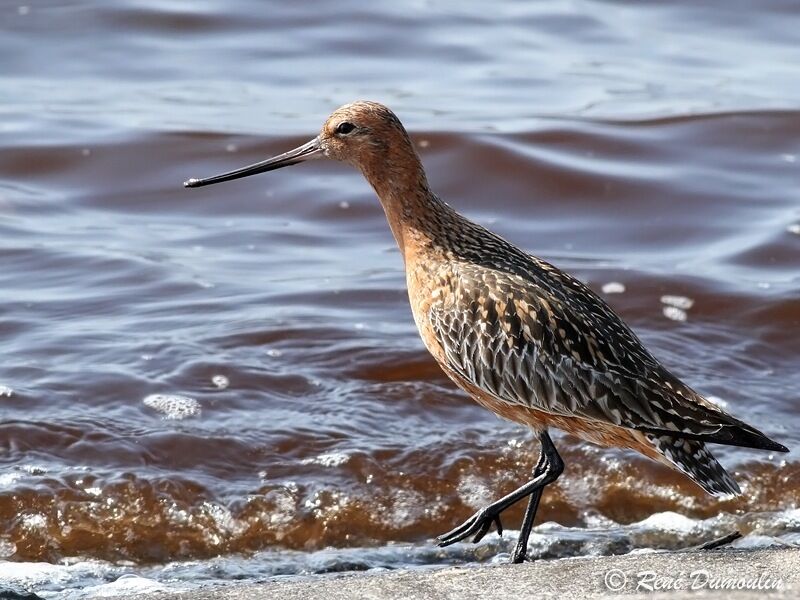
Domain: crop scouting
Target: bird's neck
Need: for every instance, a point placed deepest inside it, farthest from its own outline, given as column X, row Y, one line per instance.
column 414, row 213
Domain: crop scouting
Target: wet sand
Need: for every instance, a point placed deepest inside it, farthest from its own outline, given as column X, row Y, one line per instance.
column 729, row 574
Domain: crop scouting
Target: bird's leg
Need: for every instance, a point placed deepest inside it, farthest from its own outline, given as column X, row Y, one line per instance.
column 549, row 459
column 479, row 523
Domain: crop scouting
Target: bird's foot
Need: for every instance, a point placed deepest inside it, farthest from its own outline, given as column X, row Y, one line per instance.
column 519, row 554
column 478, row 525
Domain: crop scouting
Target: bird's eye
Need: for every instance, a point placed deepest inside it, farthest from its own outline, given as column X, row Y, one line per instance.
column 345, row 128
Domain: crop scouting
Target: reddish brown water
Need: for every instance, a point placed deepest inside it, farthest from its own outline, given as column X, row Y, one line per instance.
column 655, row 147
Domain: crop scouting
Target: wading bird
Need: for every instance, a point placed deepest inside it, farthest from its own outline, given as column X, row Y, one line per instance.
column 524, row 339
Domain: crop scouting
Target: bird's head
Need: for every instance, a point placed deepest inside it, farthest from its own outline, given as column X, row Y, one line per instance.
column 364, row 134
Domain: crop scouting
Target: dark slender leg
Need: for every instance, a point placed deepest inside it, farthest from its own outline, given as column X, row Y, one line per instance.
column 521, row 548
column 548, row 459
column 547, row 470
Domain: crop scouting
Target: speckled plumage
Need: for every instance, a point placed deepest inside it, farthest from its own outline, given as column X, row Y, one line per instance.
column 523, row 338
column 511, row 328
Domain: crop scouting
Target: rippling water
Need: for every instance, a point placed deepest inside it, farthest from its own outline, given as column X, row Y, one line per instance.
column 227, row 383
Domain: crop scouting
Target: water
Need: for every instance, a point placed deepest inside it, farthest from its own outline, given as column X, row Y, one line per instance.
column 226, row 383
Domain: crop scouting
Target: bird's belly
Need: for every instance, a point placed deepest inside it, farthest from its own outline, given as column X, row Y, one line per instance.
column 596, row 432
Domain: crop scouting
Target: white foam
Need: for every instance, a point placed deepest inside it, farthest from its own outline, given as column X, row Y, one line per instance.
column 328, row 459
column 125, row 586
column 7, row 548
column 794, row 228
column 613, row 287
column 224, row 519
column 28, row 574
column 34, row 521
column 284, row 511
column 8, row 479
column 173, row 406
column 669, row 521
column 39, row 469
column 674, row 313
column 406, row 508
column 220, row 381
column 790, row 518
column 681, row 302
column 473, row 491
column 6, row 391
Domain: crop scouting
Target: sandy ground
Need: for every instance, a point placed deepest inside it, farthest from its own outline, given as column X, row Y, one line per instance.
column 734, row 574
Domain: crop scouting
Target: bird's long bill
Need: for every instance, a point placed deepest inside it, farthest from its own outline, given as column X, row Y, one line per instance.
column 312, row 149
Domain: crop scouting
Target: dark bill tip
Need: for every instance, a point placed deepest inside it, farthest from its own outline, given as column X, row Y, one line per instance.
column 305, row 152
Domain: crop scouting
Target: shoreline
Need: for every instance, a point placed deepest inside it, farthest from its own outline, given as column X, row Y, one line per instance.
column 724, row 573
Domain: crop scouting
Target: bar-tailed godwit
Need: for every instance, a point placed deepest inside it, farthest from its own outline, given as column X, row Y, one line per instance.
column 523, row 338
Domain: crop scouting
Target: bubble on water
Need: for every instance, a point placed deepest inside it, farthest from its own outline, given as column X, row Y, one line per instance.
column 790, row 158
column 274, row 353
column 146, row 357
column 473, row 491
column 223, row 518
column 220, row 381
column 674, row 313
column 284, row 510
column 6, row 391
column 407, row 508
column 173, row 406
column 7, row 548
column 681, row 302
column 326, row 502
column 86, row 151
column 613, row 287
column 423, row 143
column 93, row 491
column 764, row 285
column 34, row 521
column 586, row 490
column 794, row 228
column 344, row 205
column 23, row 10
column 231, row 148
column 8, row 479
column 34, row 469
column 328, row 459
column 360, row 326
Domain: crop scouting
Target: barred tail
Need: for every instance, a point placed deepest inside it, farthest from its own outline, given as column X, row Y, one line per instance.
column 695, row 460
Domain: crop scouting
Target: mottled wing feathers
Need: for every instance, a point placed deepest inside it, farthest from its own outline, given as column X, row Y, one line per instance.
column 529, row 334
